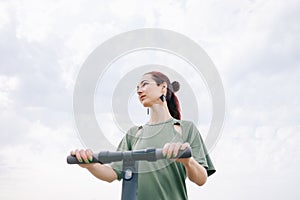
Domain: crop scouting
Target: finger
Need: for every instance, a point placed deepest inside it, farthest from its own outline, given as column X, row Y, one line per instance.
column 72, row 153
column 84, row 156
column 176, row 149
column 165, row 149
column 184, row 146
column 78, row 155
column 170, row 150
column 89, row 154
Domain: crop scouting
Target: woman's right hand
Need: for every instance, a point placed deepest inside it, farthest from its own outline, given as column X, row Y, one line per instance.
column 84, row 157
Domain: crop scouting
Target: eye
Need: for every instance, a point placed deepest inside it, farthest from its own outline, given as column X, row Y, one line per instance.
column 144, row 84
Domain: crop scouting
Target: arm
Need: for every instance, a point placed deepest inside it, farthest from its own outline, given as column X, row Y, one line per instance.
column 196, row 172
column 100, row 171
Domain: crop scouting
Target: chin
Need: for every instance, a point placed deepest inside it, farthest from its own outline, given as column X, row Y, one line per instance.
column 146, row 105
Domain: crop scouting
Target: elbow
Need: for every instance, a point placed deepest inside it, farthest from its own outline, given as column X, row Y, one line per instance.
column 109, row 180
column 113, row 176
column 202, row 181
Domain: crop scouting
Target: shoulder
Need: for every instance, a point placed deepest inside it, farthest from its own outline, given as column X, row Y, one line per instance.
column 134, row 128
column 185, row 123
column 133, row 131
column 188, row 127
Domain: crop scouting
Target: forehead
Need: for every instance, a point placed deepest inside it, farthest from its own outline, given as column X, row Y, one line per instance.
column 146, row 77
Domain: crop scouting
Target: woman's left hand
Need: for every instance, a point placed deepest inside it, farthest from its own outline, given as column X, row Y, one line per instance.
column 170, row 150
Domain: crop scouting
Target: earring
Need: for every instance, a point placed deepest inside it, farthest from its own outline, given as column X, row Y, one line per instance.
column 162, row 98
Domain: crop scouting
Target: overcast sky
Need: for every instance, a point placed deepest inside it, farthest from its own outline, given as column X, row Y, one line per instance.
column 254, row 44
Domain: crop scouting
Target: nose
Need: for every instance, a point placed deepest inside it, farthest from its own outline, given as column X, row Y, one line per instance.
column 139, row 92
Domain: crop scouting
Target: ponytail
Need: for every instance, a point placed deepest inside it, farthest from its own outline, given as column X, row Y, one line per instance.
column 173, row 106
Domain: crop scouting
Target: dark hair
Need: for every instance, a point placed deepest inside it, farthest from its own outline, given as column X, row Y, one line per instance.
column 172, row 100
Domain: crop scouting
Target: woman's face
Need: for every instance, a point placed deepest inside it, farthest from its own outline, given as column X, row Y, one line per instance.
column 148, row 91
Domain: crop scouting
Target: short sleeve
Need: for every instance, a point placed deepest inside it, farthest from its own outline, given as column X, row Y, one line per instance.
column 199, row 151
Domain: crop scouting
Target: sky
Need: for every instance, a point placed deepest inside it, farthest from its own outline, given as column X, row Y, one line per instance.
column 254, row 45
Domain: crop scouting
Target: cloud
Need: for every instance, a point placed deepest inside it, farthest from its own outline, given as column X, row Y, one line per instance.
column 252, row 43
column 38, row 167
column 7, row 85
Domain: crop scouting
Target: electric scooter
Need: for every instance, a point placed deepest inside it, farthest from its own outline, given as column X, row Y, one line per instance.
column 130, row 165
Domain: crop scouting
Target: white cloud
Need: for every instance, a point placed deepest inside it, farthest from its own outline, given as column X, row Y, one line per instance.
column 4, row 14
column 264, row 132
column 252, row 43
column 8, row 83
column 38, row 169
column 7, row 86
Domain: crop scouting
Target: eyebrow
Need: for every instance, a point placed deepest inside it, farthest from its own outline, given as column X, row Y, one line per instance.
column 141, row 83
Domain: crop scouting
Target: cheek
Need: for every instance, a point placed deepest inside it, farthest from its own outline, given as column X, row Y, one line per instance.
column 153, row 92
column 153, row 95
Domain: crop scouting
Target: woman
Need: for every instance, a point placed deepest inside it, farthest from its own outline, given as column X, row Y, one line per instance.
column 164, row 179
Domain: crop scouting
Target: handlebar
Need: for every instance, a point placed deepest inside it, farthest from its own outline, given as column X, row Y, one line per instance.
column 149, row 154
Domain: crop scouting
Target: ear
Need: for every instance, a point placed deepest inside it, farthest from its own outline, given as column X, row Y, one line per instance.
column 164, row 88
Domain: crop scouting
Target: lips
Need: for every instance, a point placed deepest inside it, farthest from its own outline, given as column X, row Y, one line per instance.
column 142, row 97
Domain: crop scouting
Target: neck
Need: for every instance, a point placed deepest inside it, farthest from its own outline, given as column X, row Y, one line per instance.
column 159, row 113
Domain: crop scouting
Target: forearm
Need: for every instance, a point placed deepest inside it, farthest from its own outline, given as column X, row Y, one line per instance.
column 195, row 171
column 102, row 172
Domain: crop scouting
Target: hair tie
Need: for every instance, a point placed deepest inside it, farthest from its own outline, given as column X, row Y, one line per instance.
column 175, row 86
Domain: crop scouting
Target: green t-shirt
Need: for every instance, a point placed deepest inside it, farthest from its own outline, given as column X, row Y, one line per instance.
column 163, row 179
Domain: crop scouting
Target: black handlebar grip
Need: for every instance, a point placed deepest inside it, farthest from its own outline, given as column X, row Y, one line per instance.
column 187, row 153
column 73, row 160
column 102, row 157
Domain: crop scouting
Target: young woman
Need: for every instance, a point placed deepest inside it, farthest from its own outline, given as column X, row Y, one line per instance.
column 163, row 179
